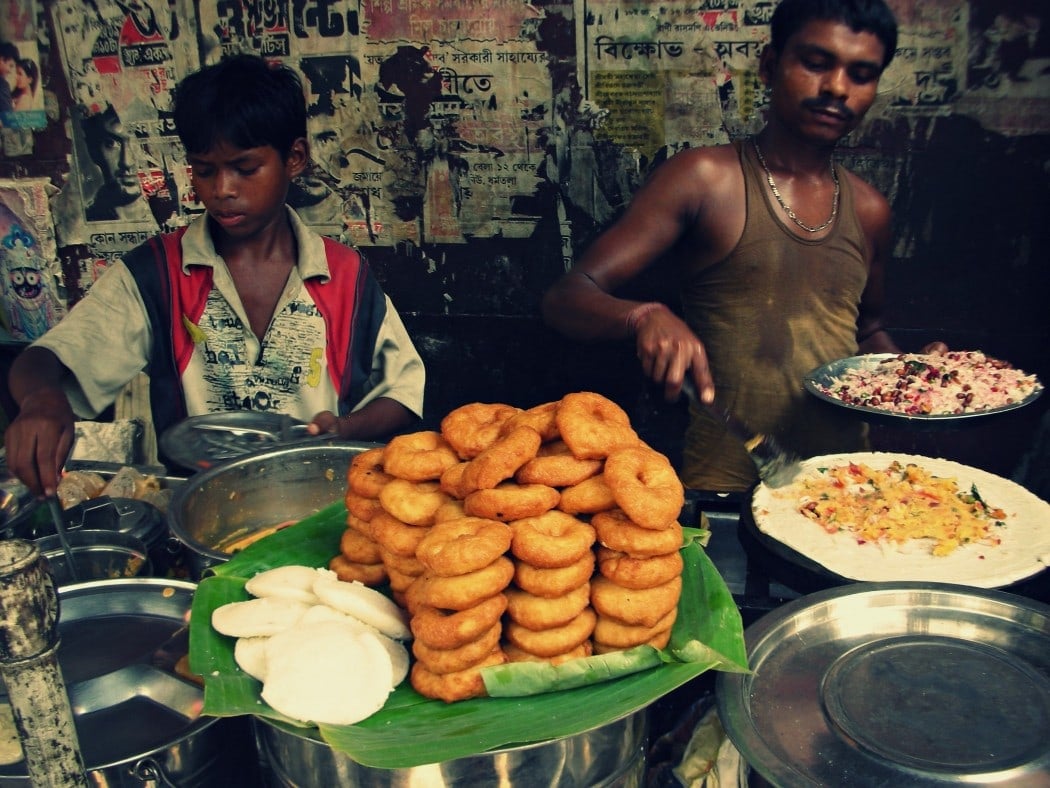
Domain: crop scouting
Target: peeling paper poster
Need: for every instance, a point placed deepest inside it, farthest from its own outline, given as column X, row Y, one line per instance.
column 28, row 259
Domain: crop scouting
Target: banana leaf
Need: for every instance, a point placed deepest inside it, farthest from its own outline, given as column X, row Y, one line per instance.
column 535, row 702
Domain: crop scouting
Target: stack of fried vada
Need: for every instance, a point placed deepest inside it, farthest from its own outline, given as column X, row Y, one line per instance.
column 360, row 555
column 509, row 535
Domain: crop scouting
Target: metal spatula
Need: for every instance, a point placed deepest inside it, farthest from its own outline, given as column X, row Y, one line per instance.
column 776, row 466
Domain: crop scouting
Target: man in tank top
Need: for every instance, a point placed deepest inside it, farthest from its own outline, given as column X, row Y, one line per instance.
column 780, row 252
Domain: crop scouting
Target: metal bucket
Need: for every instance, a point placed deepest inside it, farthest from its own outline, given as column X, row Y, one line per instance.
column 250, row 495
column 97, row 555
column 136, row 710
column 610, row 756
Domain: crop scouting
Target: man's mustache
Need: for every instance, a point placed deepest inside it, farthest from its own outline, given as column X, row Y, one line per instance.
column 829, row 105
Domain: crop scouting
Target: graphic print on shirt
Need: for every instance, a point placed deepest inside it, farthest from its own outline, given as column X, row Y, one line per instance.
column 290, row 358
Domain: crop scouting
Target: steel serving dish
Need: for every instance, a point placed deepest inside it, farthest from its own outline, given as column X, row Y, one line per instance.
column 202, row 442
column 136, row 711
column 609, row 756
column 887, row 684
column 825, row 376
column 251, row 494
column 98, row 555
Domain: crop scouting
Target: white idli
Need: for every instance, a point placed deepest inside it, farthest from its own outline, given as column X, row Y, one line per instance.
column 257, row 617
column 250, row 655
column 287, row 582
column 365, row 604
column 327, row 673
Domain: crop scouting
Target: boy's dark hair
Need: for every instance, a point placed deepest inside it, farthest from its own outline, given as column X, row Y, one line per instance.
column 872, row 16
column 8, row 51
column 242, row 100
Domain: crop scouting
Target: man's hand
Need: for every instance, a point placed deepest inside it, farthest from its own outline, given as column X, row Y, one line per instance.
column 39, row 440
column 668, row 350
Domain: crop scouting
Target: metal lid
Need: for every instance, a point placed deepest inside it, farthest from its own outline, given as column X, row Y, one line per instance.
column 200, row 442
column 892, row 684
column 121, row 643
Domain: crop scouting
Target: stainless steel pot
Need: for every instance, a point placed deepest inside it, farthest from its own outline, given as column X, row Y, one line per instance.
column 610, row 756
column 136, row 711
column 254, row 493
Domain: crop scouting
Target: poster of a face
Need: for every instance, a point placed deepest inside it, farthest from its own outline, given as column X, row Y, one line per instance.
column 21, row 94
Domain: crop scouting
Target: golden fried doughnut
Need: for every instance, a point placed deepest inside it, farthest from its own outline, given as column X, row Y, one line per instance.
column 365, row 475
column 452, row 481
column 587, row 497
column 470, row 429
column 396, row 536
column 450, row 660
column 555, row 466
column 631, row 572
column 638, row 606
column 537, row 612
column 418, row 456
column 645, row 486
column 554, row 582
column 541, row 418
column 401, row 583
column 515, row 654
column 412, row 502
column 451, row 687
column 403, row 564
column 456, row 547
column 363, row 527
column 658, row 640
column 466, row 590
column 348, row 571
column 618, row 532
column 617, row 635
column 500, row 460
column 554, row 640
column 451, row 629
column 553, row 539
column 359, row 505
column 359, row 548
column 508, row 501
column 593, row 426
column 450, row 510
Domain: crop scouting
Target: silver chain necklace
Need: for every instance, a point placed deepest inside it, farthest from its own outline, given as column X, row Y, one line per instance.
column 787, row 209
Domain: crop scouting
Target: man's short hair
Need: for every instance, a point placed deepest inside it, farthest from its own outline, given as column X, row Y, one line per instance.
column 872, row 16
column 8, row 51
column 242, row 100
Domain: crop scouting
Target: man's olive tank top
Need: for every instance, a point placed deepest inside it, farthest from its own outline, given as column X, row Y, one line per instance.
column 777, row 307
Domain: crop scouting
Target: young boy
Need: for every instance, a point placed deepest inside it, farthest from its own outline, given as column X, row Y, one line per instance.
column 245, row 309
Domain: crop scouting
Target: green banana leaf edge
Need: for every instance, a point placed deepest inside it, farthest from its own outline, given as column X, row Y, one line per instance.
column 531, row 702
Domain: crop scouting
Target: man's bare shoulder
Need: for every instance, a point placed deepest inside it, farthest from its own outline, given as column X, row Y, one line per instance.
column 699, row 175
column 871, row 206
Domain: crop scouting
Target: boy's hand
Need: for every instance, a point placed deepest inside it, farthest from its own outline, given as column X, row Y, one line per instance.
column 39, row 440
column 323, row 422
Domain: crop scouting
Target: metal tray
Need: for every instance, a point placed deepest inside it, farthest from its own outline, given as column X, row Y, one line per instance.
column 201, row 442
column 825, row 375
column 120, row 643
column 886, row 684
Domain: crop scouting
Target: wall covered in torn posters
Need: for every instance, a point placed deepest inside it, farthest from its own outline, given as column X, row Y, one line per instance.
column 473, row 147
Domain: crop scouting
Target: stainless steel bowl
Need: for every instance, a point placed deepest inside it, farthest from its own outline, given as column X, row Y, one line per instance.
column 609, row 756
column 98, row 555
column 250, row 495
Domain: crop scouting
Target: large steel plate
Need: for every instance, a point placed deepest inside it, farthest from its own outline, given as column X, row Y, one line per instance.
column 825, row 376
column 887, row 684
